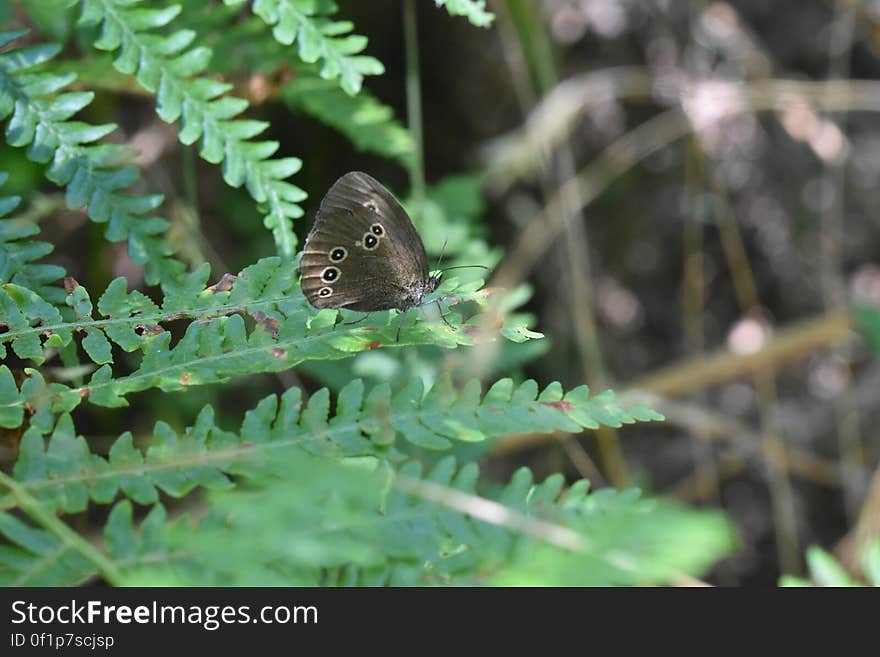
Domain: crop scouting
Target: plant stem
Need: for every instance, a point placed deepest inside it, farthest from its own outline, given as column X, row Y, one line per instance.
column 54, row 525
column 414, row 107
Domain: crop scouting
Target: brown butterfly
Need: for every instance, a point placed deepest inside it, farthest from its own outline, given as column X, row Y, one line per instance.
column 363, row 252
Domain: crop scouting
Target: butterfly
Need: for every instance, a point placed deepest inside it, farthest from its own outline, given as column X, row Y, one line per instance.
column 363, row 252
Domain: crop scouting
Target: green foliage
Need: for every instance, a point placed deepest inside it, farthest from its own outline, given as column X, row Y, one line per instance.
column 217, row 343
column 54, row 17
column 826, row 571
column 64, row 474
column 36, row 557
column 868, row 322
column 18, row 254
column 304, row 520
column 365, row 121
column 449, row 216
column 362, row 118
column 169, row 67
column 473, row 10
column 92, row 173
column 305, row 23
column 320, row 489
column 412, row 528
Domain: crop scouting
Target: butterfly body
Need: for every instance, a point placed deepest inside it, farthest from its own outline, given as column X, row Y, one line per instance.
column 363, row 252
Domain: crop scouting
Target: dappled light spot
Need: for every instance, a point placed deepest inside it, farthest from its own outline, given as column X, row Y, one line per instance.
column 748, row 336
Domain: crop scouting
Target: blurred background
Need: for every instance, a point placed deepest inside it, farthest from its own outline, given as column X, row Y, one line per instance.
column 689, row 189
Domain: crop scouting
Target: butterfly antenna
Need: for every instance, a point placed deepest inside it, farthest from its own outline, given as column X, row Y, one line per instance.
column 442, row 253
column 466, row 267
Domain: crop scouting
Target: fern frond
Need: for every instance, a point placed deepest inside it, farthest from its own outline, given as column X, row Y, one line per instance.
column 169, row 67
column 64, row 474
column 18, row 254
column 36, row 557
column 366, row 122
column 311, row 521
column 35, row 395
column 325, row 523
column 473, row 10
column 218, row 344
column 318, row 38
column 93, row 174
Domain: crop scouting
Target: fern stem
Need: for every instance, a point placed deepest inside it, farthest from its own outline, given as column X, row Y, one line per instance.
column 60, row 530
column 414, row 106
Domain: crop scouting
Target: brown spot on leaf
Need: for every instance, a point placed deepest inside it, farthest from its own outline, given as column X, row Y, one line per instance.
column 85, row 392
column 70, row 284
column 224, row 284
column 562, row 405
column 373, row 344
column 269, row 324
column 148, row 329
column 279, row 353
column 185, row 379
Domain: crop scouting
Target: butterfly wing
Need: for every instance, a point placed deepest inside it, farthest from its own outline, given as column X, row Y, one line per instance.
column 363, row 252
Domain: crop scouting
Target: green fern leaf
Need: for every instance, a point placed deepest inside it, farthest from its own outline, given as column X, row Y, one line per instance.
column 319, row 39
column 35, row 557
column 18, row 255
column 65, row 475
column 169, row 67
column 324, row 522
column 217, row 343
column 92, row 173
column 367, row 123
column 11, row 401
column 473, row 10
column 42, row 399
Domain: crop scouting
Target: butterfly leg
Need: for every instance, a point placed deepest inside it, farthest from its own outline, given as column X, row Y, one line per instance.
column 399, row 324
column 442, row 316
column 439, row 311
